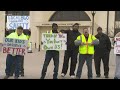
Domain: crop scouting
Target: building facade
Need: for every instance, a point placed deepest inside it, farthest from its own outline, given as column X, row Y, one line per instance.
column 41, row 21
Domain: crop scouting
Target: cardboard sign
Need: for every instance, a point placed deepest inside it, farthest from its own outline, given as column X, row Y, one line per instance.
column 117, row 45
column 15, row 46
column 54, row 41
column 14, row 21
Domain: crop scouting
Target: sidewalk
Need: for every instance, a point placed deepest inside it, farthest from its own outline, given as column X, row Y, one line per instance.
column 34, row 62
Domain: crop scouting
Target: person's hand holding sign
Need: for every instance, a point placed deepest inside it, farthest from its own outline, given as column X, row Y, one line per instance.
column 83, row 43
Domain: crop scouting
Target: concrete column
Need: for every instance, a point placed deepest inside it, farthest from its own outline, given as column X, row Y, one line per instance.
column 111, row 23
column 2, row 25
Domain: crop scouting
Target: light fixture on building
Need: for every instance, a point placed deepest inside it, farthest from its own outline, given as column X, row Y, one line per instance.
column 93, row 15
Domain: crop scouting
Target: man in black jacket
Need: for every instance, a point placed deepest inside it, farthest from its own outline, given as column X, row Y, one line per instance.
column 51, row 54
column 102, row 51
column 72, row 50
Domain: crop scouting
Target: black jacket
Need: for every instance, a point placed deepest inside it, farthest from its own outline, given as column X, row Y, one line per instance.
column 71, row 37
column 104, row 44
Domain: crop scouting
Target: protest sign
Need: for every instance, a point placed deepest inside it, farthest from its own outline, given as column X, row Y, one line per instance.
column 117, row 45
column 54, row 41
column 15, row 46
column 14, row 21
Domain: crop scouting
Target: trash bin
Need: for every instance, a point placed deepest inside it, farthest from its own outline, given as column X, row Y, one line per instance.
column 30, row 48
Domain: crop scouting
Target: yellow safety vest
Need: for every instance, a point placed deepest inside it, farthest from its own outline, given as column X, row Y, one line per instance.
column 14, row 35
column 28, row 37
column 86, row 49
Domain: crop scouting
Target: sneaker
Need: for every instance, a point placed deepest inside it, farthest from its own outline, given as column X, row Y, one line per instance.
column 90, row 77
column 15, row 77
column 22, row 74
column 98, row 76
column 55, row 78
column 106, row 77
column 62, row 75
column 11, row 74
column 72, row 76
column 115, row 78
column 6, row 77
column 77, row 77
column 42, row 77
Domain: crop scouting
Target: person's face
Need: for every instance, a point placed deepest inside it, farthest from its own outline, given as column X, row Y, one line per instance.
column 75, row 27
column 19, row 31
column 86, row 32
column 99, row 31
column 55, row 27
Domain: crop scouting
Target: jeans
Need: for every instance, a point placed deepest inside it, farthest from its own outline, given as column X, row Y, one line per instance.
column 82, row 59
column 21, row 66
column 10, row 61
column 48, row 57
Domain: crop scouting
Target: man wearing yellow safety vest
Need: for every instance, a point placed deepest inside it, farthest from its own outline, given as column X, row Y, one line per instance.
column 86, row 44
column 21, row 63
column 16, row 59
column 49, row 55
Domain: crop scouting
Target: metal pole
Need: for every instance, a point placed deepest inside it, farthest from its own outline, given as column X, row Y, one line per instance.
column 35, row 45
column 93, row 25
column 107, row 21
column 39, row 48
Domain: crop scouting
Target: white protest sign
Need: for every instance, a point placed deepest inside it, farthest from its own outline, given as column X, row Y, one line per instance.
column 54, row 41
column 14, row 21
column 117, row 45
column 15, row 46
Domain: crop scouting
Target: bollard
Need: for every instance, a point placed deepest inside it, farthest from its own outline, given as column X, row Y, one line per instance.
column 35, row 45
column 0, row 47
column 30, row 48
column 39, row 48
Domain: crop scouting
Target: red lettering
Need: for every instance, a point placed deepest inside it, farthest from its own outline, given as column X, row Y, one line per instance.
column 4, row 50
column 17, row 50
column 8, row 50
column 23, row 51
column 13, row 50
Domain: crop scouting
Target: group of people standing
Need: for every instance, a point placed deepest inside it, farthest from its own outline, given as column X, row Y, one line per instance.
column 87, row 46
column 83, row 44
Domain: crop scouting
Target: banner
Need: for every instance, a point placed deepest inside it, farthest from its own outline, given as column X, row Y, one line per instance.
column 117, row 45
column 15, row 46
column 14, row 21
column 54, row 41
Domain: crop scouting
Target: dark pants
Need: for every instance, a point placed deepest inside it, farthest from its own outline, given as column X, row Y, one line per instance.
column 21, row 66
column 9, row 64
column 82, row 59
column 73, row 55
column 105, row 59
column 48, row 57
